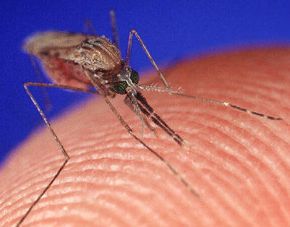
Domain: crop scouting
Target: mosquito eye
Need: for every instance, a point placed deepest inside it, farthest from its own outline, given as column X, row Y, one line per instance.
column 134, row 77
column 120, row 87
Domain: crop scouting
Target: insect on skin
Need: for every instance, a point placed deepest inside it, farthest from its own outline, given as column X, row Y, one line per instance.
column 79, row 62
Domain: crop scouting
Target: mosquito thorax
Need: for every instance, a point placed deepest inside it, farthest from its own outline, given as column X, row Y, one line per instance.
column 128, row 79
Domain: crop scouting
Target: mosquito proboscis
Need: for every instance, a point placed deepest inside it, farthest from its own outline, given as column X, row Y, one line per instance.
column 78, row 62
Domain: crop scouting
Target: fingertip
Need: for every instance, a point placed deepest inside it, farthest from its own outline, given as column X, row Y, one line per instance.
column 236, row 163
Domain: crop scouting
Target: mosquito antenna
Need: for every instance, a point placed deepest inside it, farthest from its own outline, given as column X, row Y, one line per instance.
column 207, row 100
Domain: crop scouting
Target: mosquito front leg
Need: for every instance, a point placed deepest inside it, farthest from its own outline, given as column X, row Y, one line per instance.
column 207, row 100
column 44, row 118
column 128, row 55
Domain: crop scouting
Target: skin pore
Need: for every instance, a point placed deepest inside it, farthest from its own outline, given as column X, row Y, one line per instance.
column 237, row 163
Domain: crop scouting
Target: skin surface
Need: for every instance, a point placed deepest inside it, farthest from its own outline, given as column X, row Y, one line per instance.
column 239, row 164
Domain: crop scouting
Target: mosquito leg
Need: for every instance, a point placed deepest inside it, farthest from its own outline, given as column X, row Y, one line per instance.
column 230, row 105
column 114, row 27
column 158, row 89
column 207, row 100
column 44, row 118
column 128, row 55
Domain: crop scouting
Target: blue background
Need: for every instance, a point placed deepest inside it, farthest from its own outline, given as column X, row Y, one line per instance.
column 171, row 30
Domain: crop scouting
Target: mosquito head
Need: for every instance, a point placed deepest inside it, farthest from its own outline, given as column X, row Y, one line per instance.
column 127, row 82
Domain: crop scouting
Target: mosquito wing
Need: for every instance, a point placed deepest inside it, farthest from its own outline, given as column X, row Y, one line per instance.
column 65, row 56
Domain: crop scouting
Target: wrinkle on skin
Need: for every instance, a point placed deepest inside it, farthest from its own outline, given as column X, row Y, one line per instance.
column 239, row 164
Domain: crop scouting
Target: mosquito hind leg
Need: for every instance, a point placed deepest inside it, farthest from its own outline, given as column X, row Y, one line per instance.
column 128, row 55
column 46, row 121
column 114, row 27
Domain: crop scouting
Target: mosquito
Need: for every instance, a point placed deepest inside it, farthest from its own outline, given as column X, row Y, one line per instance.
column 93, row 64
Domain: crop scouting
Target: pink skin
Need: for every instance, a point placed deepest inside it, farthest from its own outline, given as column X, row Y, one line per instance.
column 238, row 163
